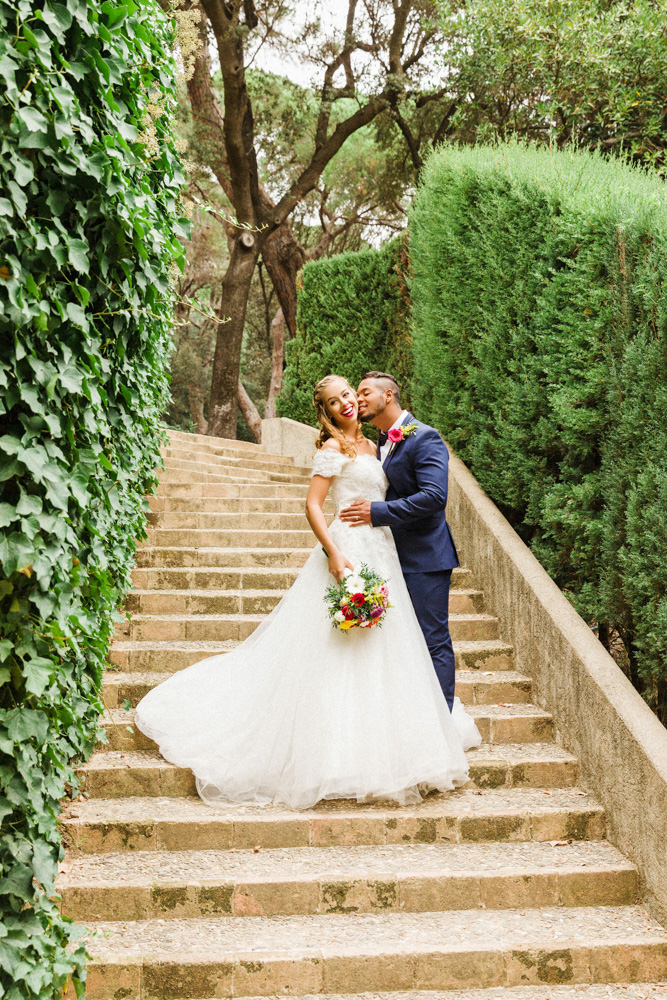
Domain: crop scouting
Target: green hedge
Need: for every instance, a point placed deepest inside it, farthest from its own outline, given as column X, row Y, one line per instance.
column 352, row 316
column 541, row 353
column 89, row 182
column 539, row 349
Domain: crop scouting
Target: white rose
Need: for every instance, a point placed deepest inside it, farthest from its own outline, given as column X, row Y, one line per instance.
column 339, row 616
column 354, row 583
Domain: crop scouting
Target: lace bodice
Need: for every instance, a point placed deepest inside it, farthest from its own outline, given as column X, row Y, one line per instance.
column 359, row 478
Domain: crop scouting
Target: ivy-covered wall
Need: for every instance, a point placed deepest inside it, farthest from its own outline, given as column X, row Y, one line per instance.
column 89, row 226
column 352, row 317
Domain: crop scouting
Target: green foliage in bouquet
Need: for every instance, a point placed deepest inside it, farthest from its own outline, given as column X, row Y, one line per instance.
column 360, row 600
column 540, row 352
column 89, row 227
column 352, row 317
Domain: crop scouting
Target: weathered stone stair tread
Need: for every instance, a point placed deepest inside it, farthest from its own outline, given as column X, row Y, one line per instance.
column 509, row 752
column 149, row 678
column 497, row 724
column 164, row 556
column 177, row 654
column 577, row 991
column 407, row 934
column 328, row 863
column 471, row 616
column 164, row 823
column 461, row 802
column 207, row 648
column 120, row 716
column 210, row 439
column 195, row 573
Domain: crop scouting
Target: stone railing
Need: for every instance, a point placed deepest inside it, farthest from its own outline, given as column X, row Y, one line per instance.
column 281, row 436
column 621, row 746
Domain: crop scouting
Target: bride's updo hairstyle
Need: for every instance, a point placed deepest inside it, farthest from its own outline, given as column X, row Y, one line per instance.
column 328, row 428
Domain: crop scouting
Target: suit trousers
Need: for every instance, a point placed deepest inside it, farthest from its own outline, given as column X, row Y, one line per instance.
column 430, row 597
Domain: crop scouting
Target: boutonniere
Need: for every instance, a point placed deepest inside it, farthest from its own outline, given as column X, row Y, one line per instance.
column 397, row 434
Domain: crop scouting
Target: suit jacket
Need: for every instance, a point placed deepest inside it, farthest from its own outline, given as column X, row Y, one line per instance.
column 414, row 508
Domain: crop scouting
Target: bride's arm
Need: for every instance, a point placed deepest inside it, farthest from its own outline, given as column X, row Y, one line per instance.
column 317, row 494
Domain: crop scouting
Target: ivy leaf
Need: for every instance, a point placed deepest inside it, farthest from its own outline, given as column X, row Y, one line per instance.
column 18, row 882
column 37, row 674
column 78, row 255
column 33, row 119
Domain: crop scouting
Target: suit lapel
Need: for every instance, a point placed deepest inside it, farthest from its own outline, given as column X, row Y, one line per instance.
column 408, row 418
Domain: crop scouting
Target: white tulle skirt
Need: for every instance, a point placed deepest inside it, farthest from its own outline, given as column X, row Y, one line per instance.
column 302, row 711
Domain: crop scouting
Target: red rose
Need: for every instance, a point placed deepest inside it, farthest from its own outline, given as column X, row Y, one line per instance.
column 395, row 434
column 358, row 599
column 348, row 612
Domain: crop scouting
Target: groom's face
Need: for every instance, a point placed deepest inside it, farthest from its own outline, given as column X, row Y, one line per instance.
column 372, row 400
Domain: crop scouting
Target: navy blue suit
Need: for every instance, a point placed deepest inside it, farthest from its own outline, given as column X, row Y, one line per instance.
column 414, row 509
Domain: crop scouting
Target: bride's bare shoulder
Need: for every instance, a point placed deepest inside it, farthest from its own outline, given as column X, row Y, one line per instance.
column 368, row 448
column 331, row 444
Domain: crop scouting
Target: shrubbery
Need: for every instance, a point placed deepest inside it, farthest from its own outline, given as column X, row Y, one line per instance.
column 89, row 182
column 541, row 354
column 353, row 316
column 539, row 349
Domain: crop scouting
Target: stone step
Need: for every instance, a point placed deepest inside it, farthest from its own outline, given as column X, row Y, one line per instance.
column 203, row 578
column 192, row 489
column 464, row 816
column 251, row 447
column 496, row 723
column 246, row 471
column 233, row 537
column 239, row 626
column 166, row 657
column 114, row 774
column 229, row 460
column 247, row 600
column 205, row 602
column 268, row 956
column 580, row 991
column 179, row 477
column 231, row 505
column 225, row 453
column 506, row 689
column 415, row 878
column 189, row 555
column 247, row 521
column 253, row 578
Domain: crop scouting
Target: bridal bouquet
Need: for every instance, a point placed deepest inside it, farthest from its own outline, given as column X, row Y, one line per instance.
column 360, row 600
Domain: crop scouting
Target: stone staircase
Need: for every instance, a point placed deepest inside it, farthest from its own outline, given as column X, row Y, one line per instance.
column 508, row 883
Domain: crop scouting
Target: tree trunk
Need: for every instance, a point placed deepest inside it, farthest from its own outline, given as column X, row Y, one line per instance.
column 284, row 257
column 250, row 413
column 227, row 358
column 196, row 403
column 278, row 337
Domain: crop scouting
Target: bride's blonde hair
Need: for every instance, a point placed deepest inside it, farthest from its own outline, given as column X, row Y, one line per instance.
column 328, row 428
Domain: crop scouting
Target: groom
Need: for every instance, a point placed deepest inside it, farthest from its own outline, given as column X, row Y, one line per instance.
column 415, row 460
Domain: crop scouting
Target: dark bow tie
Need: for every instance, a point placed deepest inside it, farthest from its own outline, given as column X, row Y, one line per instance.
column 383, row 438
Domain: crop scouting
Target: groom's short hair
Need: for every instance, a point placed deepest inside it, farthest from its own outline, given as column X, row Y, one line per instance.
column 388, row 382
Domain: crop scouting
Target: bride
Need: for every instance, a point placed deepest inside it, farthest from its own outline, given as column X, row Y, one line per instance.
column 302, row 711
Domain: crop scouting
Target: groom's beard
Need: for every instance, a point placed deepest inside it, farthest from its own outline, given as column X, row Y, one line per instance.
column 368, row 415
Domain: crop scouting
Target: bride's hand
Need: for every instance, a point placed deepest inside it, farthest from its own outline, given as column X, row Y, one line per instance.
column 338, row 564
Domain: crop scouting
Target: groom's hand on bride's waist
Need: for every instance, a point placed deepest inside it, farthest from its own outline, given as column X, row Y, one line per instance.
column 357, row 513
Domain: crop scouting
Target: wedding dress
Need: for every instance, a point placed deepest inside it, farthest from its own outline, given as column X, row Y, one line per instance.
column 302, row 711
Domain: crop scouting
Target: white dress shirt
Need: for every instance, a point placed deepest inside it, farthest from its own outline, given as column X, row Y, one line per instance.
column 384, row 450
